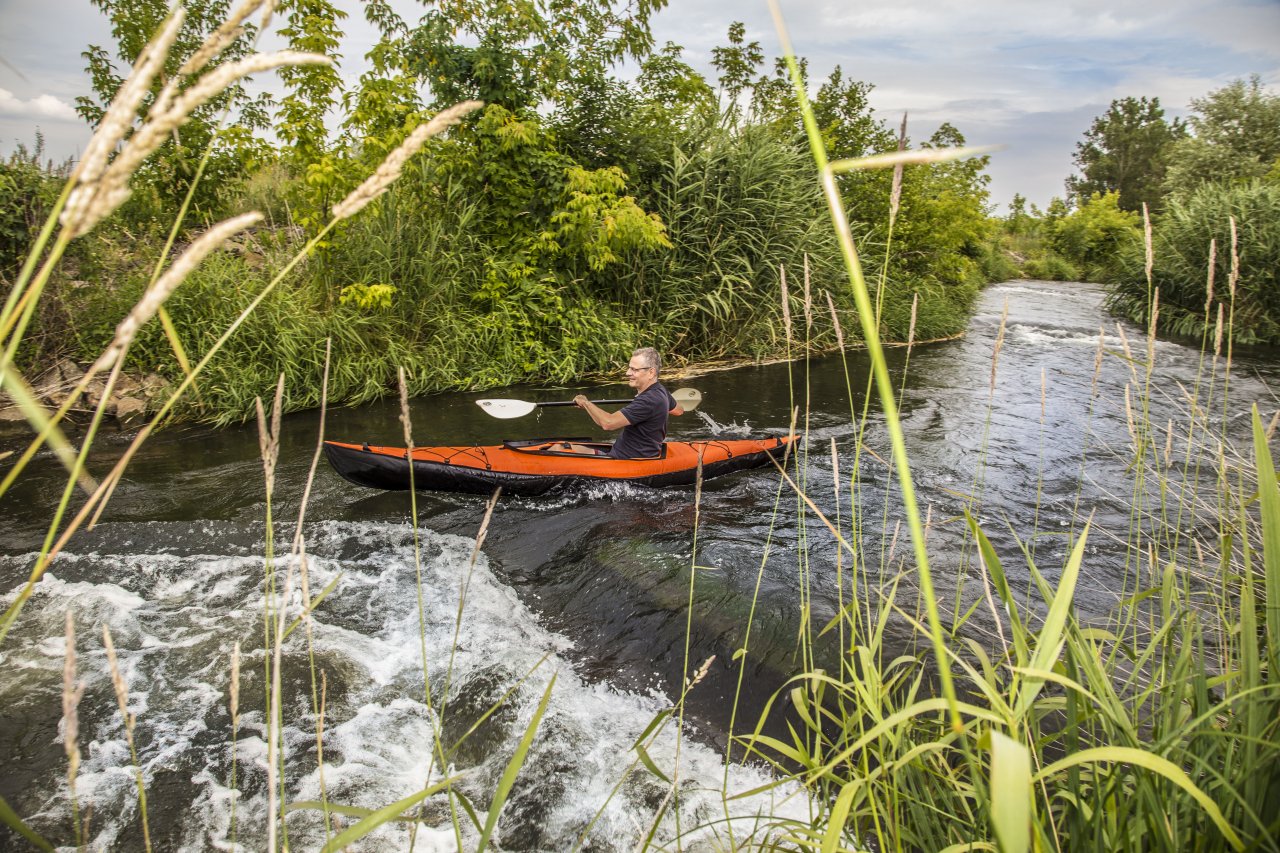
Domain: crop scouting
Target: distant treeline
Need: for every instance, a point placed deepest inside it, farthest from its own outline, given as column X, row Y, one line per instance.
column 1211, row 188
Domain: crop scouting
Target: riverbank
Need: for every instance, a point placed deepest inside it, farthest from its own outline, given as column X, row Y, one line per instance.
column 138, row 396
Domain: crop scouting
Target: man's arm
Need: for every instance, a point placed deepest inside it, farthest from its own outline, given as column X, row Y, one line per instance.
column 603, row 419
column 678, row 410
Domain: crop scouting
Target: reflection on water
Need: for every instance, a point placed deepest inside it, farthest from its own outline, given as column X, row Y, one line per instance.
column 593, row 586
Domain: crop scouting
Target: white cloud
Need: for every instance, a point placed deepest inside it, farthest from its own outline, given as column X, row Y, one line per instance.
column 45, row 107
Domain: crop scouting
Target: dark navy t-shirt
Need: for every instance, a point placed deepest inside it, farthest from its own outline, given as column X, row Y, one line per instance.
column 647, row 414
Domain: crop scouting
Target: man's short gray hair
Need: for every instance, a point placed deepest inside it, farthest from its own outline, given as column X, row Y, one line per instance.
column 651, row 358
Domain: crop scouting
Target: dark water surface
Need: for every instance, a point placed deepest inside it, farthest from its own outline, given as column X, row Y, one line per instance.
column 592, row 586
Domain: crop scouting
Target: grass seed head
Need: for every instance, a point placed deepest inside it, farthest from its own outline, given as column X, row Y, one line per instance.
column 911, row 329
column 234, row 690
column 1217, row 334
column 115, row 124
column 995, row 353
column 405, row 421
column 1235, row 262
column 1213, row 262
column 895, row 192
column 1146, row 240
column 786, row 302
column 226, row 34
column 835, row 321
column 1097, row 360
column 72, row 691
column 702, row 672
column 117, row 679
column 158, row 128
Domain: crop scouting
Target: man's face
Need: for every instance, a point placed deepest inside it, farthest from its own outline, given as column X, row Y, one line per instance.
column 639, row 376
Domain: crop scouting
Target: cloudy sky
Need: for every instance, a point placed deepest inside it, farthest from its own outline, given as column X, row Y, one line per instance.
column 1025, row 74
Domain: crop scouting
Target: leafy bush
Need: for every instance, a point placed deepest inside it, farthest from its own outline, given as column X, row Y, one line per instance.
column 1182, row 248
column 27, row 193
column 1095, row 235
column 1051, row 267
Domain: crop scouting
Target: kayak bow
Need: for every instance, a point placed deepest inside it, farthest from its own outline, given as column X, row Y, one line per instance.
column 539, row 466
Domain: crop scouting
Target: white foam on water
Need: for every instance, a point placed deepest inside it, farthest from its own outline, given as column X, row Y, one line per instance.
column 1042, row 336
column 731, row 428
column 174, row 626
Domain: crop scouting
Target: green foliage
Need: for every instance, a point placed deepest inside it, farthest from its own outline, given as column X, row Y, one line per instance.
column 597, row 224
column 942, row 228
column 1095, row 235
column 1181, row 271
column 536, row 244
column 1051, row 267
column 737, row 204
column 27, row 193
column 368, row 297
column 1236, row 138
column 1125, row 152
column 164, row 180
column 313, row 27
column 516, row 53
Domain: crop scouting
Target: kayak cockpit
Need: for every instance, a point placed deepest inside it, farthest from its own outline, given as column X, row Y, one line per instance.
column 573, row 447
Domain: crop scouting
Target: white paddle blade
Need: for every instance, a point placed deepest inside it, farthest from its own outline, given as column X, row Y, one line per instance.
column 506, row 409
column 688, row 398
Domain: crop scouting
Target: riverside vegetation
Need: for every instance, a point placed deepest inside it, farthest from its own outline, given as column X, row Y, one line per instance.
column 1157, row 729
column 573, row 217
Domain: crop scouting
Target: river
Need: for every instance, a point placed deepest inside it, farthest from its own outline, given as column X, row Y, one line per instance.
column 591, row 587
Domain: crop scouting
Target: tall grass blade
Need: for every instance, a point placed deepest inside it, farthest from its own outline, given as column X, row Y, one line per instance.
column 1052, row 635
column 1010, row 793
column 1269, row 499
column 839, row 815
column 11, row 819
column 386, row 814
column 513, row 768
column 1154, row 763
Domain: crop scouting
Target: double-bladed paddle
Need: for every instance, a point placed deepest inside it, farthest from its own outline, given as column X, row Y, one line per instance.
column 688, row 398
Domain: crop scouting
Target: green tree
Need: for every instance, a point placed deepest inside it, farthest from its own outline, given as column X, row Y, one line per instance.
column 943, row 226
column 517, row 53
column 737, row 64
column 1236, row 136
column 1124, row 151
column 1018, row 221
column 845, row 118
column 312, row 26
column 170, row 172
column 773, row 98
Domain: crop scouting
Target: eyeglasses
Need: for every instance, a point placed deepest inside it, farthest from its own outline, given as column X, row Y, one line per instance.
column 631, row 369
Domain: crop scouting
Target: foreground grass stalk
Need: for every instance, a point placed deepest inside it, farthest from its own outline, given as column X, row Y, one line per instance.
column 233, row 704
column 122, row 699
column 72, row 692
column 875, row 351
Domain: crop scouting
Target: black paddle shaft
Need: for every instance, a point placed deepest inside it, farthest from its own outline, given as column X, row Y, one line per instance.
column 597, row 402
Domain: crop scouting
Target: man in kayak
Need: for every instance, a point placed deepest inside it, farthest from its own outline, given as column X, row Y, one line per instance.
column 643, row 421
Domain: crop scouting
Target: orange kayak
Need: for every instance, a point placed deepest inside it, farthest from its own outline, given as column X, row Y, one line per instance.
column 541, row 465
